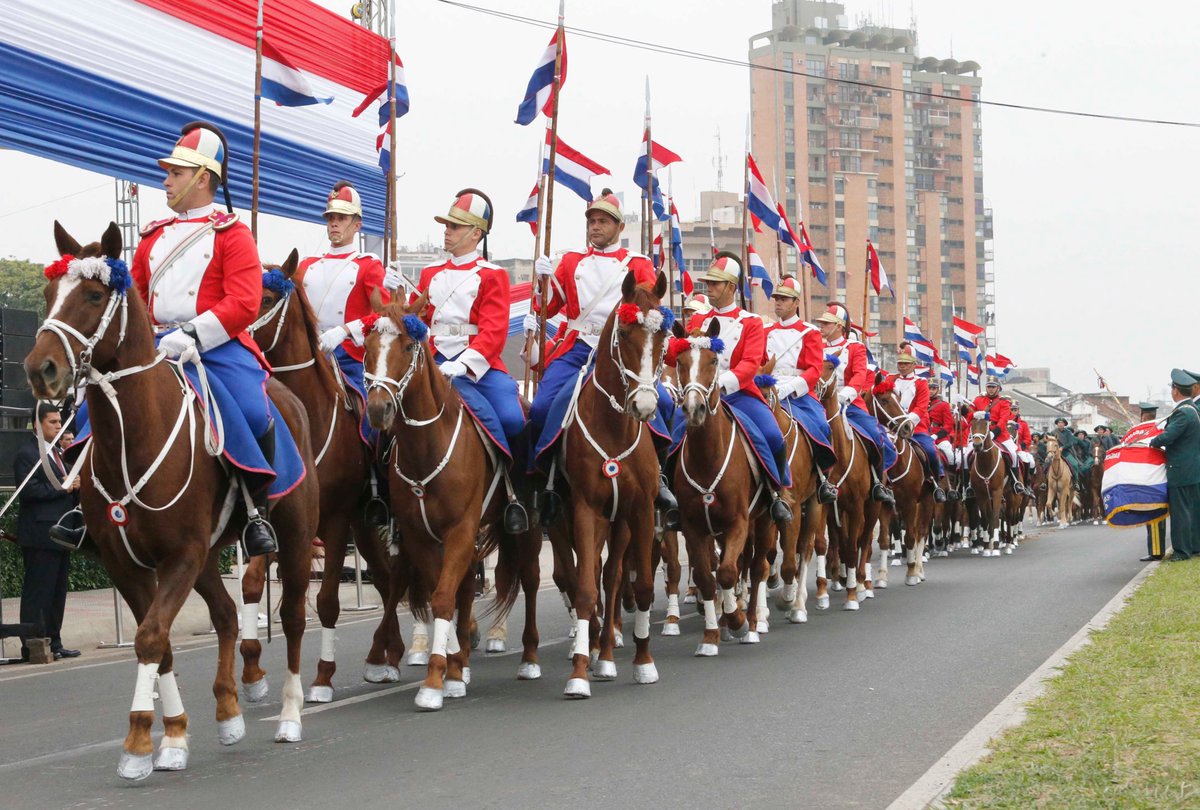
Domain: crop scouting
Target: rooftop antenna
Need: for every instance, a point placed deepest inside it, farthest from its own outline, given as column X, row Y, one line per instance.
column 719, row 162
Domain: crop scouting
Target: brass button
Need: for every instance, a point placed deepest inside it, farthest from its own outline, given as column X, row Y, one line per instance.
column 208, row 255
column 191, row 292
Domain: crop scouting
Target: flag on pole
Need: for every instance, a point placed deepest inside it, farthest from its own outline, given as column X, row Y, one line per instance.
column 809, row 257
column 876, row 272
column 757, row 275
column 755, row 223
column 539, row 94
column 966, row 333
column 283, row 83
column 973, row 375
column 660, row 156
column 656, row 254
column 683, row 280
column 998, row 365
column 758, row 197
column 924, row 372
column 518, row 308
column 529, row 211
column 572, row 168
column 787, row 235
column 945, row 373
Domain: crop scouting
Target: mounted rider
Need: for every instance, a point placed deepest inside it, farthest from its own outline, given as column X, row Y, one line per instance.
column 745, row 350
column 849, row 357
column 1067, row 444
column 586, row 288
column 799, row 351
column 467, row 306
column 941, row 424
column 1024, row 440
column 912, row 392
column 996, row 409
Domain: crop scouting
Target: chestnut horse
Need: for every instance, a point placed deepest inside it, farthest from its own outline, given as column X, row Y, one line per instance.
column 159, row 538
column 722, row 495
column 445, row 484
column 608, row 459
column 989, row 481
column 286, row 331
column 852, row 517
column 1060, row 491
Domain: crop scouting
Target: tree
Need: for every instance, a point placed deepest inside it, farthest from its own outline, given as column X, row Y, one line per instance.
column 21, row 284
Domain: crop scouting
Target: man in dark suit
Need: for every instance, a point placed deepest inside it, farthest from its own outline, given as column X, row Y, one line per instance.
column 44, row 590
column 1181, row 441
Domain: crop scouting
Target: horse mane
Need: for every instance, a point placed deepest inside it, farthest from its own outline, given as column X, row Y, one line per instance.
column 308, row 320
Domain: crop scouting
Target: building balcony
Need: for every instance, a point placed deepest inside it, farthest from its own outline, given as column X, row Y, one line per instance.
column 858, row 150
column 859, row 122
column 938, row 118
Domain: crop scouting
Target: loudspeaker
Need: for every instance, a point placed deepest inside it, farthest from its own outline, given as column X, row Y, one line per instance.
column 18, row 322
column 10, row 443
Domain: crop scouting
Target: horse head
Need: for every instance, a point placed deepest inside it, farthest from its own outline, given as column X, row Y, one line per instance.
column 826, row 389
column 981, row 429
column 636, row 335
column 86, row 288
column 695, row 358
column 278, row 283
column 1052, row 449
column 886, row 407
column 397, row 354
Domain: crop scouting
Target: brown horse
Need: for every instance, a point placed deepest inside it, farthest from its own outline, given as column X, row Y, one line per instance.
column 852, row 517
column 722, row 494
column 446, row 482
column 608, row 459
column 286, row 331
column 158, row 538
column 988, row 481
column 1060, row 489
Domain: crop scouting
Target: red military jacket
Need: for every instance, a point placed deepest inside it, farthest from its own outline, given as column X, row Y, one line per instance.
column 998, row 411
column 798, row 349
column 852, row 366
column 745, row 344
column 339, row 286
column 468, row 311
column 941, row 419
column 201, row 267
column 1024, row 436
column 913, row 394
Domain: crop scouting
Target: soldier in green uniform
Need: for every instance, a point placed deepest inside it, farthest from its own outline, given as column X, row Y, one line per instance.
column 1181, row 441
column 1155, row 532
column 1066, row 443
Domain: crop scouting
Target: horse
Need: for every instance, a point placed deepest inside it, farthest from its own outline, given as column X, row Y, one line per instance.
column 853, row 516
column 609, row 461
column 912, row 489
column 722, row 494
column 1060, row 489
column 988, row 481
column 161, row 505
column 286, row 331
column 1094, row 483
column 446, row 482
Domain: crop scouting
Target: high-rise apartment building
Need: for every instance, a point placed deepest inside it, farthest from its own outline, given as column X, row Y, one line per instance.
column 850, row 128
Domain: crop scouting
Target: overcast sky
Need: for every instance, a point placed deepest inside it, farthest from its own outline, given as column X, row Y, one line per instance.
column 1092, row 218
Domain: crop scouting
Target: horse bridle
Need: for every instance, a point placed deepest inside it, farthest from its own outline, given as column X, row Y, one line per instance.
column 643, row 384
column 81, row 366
column 396, row 388
column 891, row 419
column 708, row 393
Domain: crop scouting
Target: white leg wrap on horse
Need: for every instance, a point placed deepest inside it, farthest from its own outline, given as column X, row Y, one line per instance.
column 851, row 577
column 581, row 645
column 710, row 614
column 327, row 644
column 868, row 572
column 789, row 591
column 821, row 573
column 168, row 691
column 641, row 624
column 143, row 690
column 842, row 570
column 911, row 556
column 250, row 621
column 728, row 601
column 442, row 629
column 761, row 602
column 673, row 605
column 293, row 698
column 420, row 628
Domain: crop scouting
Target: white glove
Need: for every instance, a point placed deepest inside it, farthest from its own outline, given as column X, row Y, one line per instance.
column 530, row 324
column 543, row 266
column 959, row 399
column 847, row 395
column 330, row 339
column 912, row 417
column 800, row 387
column 534, row 354
column 393, row 278
column 784, row 386
column 177, row 345
column 453, row 368
column 729, row 382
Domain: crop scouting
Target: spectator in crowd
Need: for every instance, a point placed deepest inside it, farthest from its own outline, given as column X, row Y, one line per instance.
column 1181, row 441
column 44, row 590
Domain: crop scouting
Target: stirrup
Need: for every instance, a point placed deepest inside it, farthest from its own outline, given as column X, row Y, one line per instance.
column 375, row 513
column 550, row 506
column 827, row 492
column 516, row 519
column 780, row 511
column 65, row 536
column 882, row 494
column 258, row 537
column 939, row 494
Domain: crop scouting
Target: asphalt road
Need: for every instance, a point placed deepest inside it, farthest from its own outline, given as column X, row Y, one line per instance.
column 845, row 711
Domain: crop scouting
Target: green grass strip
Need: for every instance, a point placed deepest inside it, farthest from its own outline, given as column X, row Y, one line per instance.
column 1120, row 726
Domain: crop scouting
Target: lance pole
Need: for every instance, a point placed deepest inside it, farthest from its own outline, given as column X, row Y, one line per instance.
column 537, row 252
column 1109, row 391
column 745, row 251
column 648, row 228
column 548, row 228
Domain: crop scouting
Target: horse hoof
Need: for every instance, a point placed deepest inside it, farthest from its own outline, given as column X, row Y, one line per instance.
column 750, row 638
column 171, row 759
column 670, row 629
column 783, row 603
column 618, row 640
column 740, row 633
column 417, row 658
column 974, row 550
column 881, row 583
column 865, row 594
column 593, row 657
column 797, row 616
column 375, row 673
column 528, row 671
column 232, row 730
column 454, row 689
column 762, row 626
column 896, row 562
column 135, row 767
column 706, row 650
column 912, row 580
column 823, row 602
column 320, row 694
column 578, row 689
column 428, row 700
column 942, row 553
column 851, row 605
column 255, row 692
column 495, row 645
column 645, row 673
column 689, row 599
column 288, row 731
column 604, row 670
column 726, row 635
column 1008, row 549
column 837, row 586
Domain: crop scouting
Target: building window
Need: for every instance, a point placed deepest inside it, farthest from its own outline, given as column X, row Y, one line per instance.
column 814, row 67
column 816, row 138
column 789, row 113
column 816, row 92
column 839, row 186
column 789, row 160
column 881, row 71
column 816, row 163
column 851, row 163
column 816, row 115
column 873, row 212
column 839, row 209
column 850, row 140
column 789, row 137
column 841, row 280
column 787, row 88
column 839, row 233
column 848, row 70
column 787, row 61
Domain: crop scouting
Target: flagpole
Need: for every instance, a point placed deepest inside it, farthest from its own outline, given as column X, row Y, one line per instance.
column 258, row 50
column 745, row 251
column 537, row 252
column 392, row 148
column 800, row 269
column 548, row 228
column 648, row 229
column 1109, row 391
column 669, row 244
column 779, row 232
column 866, row 314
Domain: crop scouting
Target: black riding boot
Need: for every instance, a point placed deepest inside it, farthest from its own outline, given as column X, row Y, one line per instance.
column 880, row 492
column 826, row 492
column 665, row 502
column 258, row 537
column 939, row 494
column 376, row 511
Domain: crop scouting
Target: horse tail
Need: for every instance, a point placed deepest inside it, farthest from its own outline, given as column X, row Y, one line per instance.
column 419, row 594
column 508, row 587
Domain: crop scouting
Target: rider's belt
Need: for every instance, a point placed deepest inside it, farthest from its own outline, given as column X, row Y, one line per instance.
column 584, row 328
column 453, row 329
column 786, row 372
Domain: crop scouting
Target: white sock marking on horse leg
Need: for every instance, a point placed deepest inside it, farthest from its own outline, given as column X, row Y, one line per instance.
column 710, row 614
column 143, row 690
column 842, row 570
column 641, row 624
column 582, row 645
column 327, row 644
column 851, row 577
column 762, row 612
column 673, row 605
column 728, row 601
column 293, row 698
column 869, row 569
column 442, row 628
column 250, row 621
column 821, row 572
column 168, row 691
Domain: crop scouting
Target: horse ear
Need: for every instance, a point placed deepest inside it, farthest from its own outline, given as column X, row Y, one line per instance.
column 660, row 285
column 628, row 285
column 110, row 242
column 376, row 299
column 770, row 366
column 288, row 268
column 66, row 244
column 418, row 306
column 714, row 328
column 678, row 330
